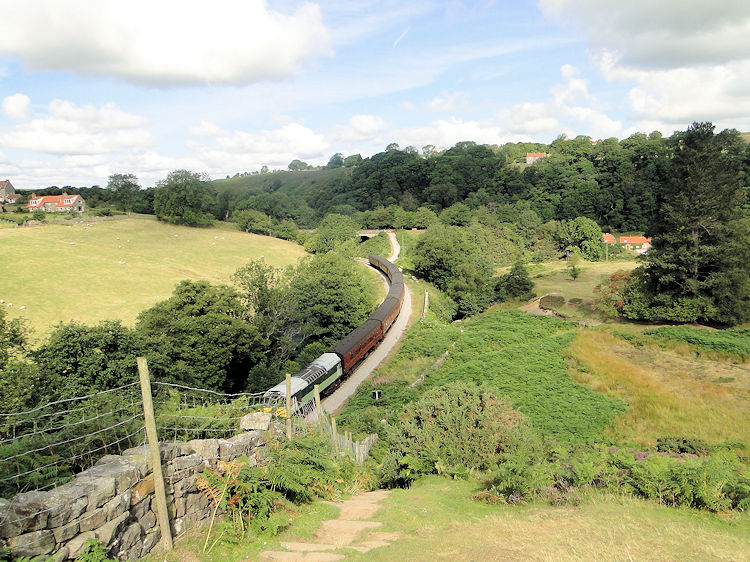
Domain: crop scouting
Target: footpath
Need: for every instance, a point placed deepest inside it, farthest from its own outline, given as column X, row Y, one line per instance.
column 351, row 530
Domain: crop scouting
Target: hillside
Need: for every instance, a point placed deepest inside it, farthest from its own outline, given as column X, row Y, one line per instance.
column 296, row 184
column 92, row 271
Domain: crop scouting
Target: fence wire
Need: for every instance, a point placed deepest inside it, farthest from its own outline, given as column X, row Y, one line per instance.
column 46, row 446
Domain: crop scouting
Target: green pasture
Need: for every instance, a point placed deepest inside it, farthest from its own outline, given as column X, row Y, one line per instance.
column 553, row 277
column 95, row 270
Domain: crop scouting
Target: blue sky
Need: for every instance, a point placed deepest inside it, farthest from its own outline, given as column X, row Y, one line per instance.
column 89, row 88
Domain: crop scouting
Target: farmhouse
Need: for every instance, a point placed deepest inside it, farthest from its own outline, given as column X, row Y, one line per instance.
column 532, row 157
column 638, row 244
column 57, row 203
column 7, row 192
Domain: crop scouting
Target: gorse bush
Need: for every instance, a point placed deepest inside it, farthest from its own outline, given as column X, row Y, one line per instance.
column 450, row 430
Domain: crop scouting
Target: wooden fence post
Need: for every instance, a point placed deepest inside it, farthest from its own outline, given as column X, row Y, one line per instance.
column 289, row 406
column 160, row 496
column 318, row 409
column 335, row 437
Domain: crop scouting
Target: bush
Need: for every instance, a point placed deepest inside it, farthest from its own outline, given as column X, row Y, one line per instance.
column 450, row 430
column 679, row 445
column 38, row 215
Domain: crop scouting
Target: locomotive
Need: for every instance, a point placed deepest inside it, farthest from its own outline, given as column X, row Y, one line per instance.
column 341, row 359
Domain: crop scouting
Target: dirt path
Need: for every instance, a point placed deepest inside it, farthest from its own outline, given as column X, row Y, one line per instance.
column 352, row 529
column 365, row 369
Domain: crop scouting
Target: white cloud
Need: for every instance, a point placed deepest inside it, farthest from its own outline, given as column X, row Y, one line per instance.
column 360, row 128
column 448, row 102
column 224, row 151
column 17, row 107
column 572, row 110
column 164, row 43
column 687, row 60
column 69, row 129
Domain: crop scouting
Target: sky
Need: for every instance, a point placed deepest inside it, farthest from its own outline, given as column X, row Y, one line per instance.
column 90, row 88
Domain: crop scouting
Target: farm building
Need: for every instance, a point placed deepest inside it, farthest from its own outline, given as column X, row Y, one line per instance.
column 7, row 192
column 532, row 157
column 637, row 244
column 57, row 203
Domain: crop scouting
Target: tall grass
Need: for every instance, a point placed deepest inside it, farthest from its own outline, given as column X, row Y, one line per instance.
column 661, row 401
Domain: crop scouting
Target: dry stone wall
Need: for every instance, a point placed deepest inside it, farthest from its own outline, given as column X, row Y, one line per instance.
column 112, row 501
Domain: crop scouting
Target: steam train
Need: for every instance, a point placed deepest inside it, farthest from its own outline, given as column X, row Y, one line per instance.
column 341, row 359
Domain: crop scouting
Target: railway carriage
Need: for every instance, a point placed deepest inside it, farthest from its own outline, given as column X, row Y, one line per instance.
column 341, row 359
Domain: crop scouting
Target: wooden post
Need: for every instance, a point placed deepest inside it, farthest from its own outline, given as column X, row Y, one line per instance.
column 160, row 496
column 318, row 409
column 289, row 406
column 334, row 436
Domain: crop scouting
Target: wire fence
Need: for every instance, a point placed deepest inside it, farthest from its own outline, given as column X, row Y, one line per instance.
column 45, row 446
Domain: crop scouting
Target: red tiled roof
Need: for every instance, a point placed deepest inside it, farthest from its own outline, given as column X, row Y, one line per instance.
column 535, row 154
column 58, row 201
column 608, row 238
column 634, row 240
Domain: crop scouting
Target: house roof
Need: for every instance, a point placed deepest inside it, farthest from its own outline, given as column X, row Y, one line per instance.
column 608, row 238
column 634, row 240
column 60, row 201
column 535, row 154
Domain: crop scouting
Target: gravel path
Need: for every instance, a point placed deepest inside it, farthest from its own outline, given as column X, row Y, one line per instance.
column 336, row 400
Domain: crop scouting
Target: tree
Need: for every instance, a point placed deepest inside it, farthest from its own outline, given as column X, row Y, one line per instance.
column 298, row 165
column 336, row 161
column 125, row 189
column 456, row 264
column 184, row 198
column 332, row 231
column 200, row 337
column 353, row 160
column 583, row 236
column 424, row 217
column 12, row 338
column 250, row 220
column 79, row 359
column 698, row 268
column 516, row 284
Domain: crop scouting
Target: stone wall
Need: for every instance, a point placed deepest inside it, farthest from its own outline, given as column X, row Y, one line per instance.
column 112, row 501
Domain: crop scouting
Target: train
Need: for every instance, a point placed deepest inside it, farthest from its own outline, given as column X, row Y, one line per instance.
column 344, row 356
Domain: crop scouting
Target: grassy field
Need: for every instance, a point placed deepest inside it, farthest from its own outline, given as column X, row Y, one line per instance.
column 552, row 277
column 438, row 521
column 669, row 389
column 91, row 271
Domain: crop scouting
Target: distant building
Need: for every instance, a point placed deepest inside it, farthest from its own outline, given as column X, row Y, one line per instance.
column 57, row 203
column 532, row 157
column 638, row 244
column 7, row 192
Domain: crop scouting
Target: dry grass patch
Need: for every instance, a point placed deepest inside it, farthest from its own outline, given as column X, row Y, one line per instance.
column 667, row 393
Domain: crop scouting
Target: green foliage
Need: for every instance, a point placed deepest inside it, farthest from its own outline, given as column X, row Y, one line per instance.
column 582, row 236
column 448, row 257
column 333, row 230
column 184, row 198
column 93, row 551
column 293, row 472
column 125, row 191
column 449, row 430
column 379, row 245
column 199, row 337
column 698, row 269
column 732, row 341
column 516, row 284
column 691, row 445
column 38, row 215
column 13, row 338
column 79, row 359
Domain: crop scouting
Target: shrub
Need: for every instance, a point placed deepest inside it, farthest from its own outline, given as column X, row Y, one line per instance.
column 691, row 445
column 450, row 430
